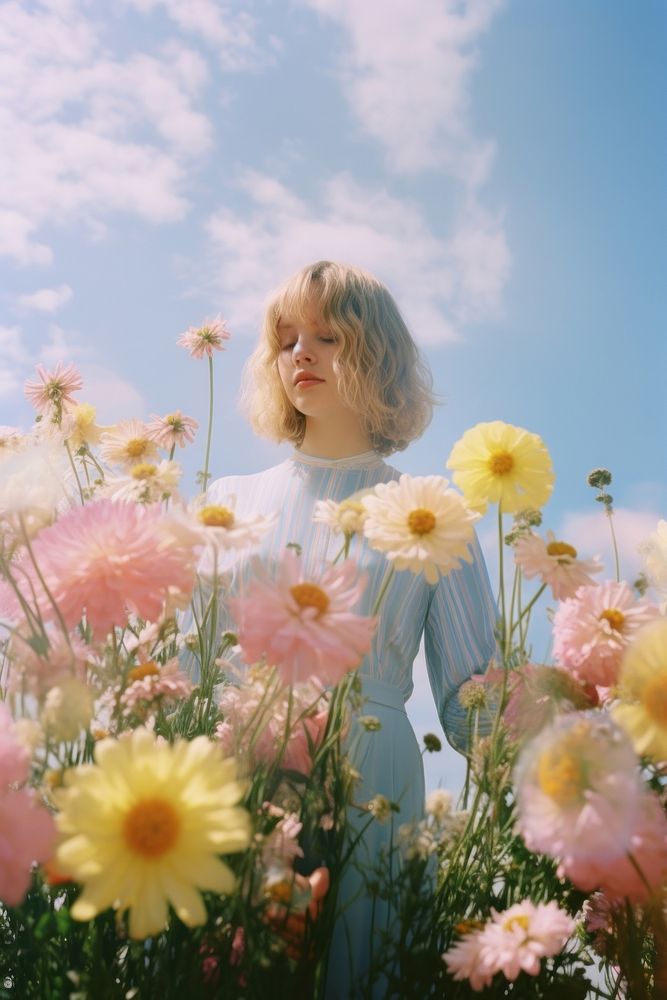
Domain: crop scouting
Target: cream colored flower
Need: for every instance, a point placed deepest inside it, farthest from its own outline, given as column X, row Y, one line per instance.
column 128, row 444
column 498, row 463
column 654, row 551
column 144, row 827
column 81, row 428
column 67, row 709
column 144, row 482
column 346, row 517
column 420, row 524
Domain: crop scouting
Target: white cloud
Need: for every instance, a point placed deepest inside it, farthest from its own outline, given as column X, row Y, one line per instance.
column 232, row 34
column 114, row 397
column 439, row 284
column 10, row 383
column 46, row 299
column 590, row 534
column 405, row 69
column 91, row 130
column 11, row 345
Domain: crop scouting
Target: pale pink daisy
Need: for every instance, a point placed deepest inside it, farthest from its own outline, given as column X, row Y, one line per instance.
column 152, row 686
column 593, row 628
column 518, row 939
column 127, row 444
column 305, row 626
column 53, row 389
column 537, row 693
column 145, row 482
column 27, row 835
column 555, row 563
column 281, row 845
column 464, row 961
column 201, row 341
column 221, row 529
column 109, row 559
column 578, row 788
column 173, row 429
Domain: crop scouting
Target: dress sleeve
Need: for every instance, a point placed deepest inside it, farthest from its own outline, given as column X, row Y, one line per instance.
column 459, row 639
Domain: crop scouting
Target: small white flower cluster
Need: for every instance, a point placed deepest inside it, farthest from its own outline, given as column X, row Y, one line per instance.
column 440, row 829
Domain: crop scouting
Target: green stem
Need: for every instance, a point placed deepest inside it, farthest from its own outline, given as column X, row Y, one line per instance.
column 205, row 476
column 383, row 590
column 613, row 541
column 76, row 474
column 501, row 575
column 536, row 596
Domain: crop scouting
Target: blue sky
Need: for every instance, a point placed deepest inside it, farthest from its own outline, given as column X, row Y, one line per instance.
column 500, row 164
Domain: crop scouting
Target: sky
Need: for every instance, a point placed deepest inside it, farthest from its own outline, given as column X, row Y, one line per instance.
column 500, row 164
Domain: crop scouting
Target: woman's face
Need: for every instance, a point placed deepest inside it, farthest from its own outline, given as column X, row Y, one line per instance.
column 306, row 366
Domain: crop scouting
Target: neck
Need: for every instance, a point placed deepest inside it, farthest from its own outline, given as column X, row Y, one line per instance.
column 341, row 440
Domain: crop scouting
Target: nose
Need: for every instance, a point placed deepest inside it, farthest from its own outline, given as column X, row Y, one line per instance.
column 302, row 352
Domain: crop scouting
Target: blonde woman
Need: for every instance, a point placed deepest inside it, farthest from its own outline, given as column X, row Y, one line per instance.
column 337, row 373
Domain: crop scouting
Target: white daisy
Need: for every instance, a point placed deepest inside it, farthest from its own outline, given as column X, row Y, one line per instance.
column 127, row 444
column 421, row 524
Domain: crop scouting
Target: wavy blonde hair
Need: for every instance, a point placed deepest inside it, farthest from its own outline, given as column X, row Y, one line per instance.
column 380, row 373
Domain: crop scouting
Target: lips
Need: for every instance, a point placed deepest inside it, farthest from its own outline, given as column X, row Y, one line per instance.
column 305, row 379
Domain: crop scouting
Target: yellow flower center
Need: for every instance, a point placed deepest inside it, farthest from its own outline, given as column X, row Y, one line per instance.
column 216, row 517
column 136, row 447
column 352, row 505
column 561, row 549
column 421, row 521
column 280, row 892
column 654, row 698
column 309, row 595
column 560, row 775
column 149, row 669
column 500, row 463
column 151, row 827
column 143, row 470
column 520, row 920
column 615, row 618
column 175, row 422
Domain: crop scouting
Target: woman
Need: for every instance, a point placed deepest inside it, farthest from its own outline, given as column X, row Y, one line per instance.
column 337, row 373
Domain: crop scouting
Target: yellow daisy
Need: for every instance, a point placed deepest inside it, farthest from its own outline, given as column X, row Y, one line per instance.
column 642, row 711
column 420, row 524
column 499, row 463
column 142, row 828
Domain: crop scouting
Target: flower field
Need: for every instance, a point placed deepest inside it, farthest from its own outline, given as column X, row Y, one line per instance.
column 172, row 825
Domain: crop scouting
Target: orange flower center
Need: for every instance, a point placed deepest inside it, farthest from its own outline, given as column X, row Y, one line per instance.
column 136, row 447
column 309, row 595
column 216, row 517
column 500, row 463
column 654, row 698
column 149, row 669
column 560, row 775
column 562, row 549
column 352, row 505
column 615, row 618
column 143, row 470
column 151, row 827
column 520, row 920
column 421, row 521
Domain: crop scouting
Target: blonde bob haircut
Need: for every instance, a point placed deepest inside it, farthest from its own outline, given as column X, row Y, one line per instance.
column 380, row 373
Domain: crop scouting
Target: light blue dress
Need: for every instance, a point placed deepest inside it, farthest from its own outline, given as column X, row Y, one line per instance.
column 456, row 617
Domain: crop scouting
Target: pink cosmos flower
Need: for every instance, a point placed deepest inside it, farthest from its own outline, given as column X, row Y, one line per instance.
column 514, row 941
column 203, row 340
column 464, row 961
column 53, row 388
column 155, row 686
column 578, row 790
column 593, row 628
column 538, row 692
column 174, row 429
column 555, row 563
column 639, row 873
column 111, row 558
column 265, row 719
column 27, row 834
column 281, row 846
column 14, row 756
column 305, row 627
column 36, row 674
